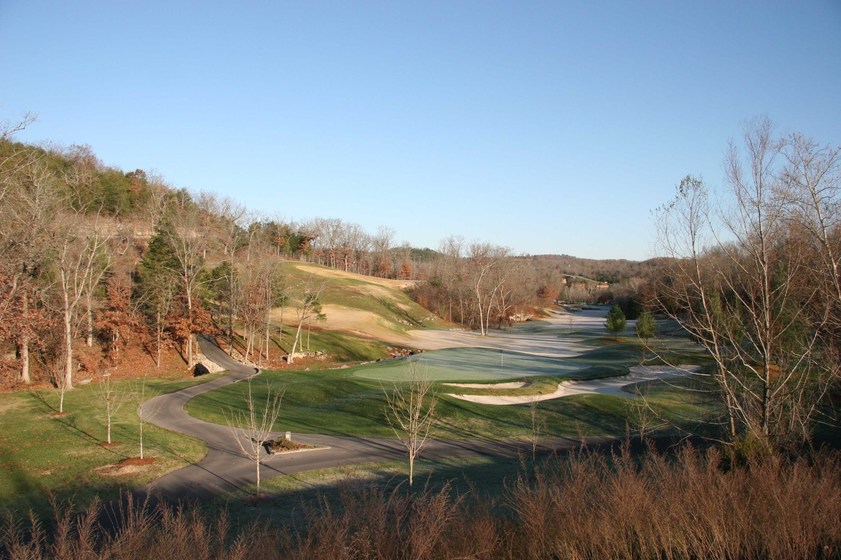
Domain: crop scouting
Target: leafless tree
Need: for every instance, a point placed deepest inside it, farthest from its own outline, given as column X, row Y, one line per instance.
column 10, row 128
column 410, row 411
column 190, row 244
column 381, row 244
column 537, row 425
column 308, row 293
column 112, row 399
column 738, row 283
column 81, row 247
column 252, row 427
column 488, row 278
column 29, row 204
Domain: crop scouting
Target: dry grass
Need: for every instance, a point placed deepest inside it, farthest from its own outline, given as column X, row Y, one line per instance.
column 584, row 506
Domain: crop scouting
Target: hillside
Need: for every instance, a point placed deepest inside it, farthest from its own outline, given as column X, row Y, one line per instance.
column 377, row 308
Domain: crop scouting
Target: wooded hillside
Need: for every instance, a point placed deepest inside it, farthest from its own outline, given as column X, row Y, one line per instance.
column 94, row 260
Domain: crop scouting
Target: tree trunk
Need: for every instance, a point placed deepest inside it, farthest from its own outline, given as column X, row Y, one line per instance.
column 68, row 343
column 23, row 347
column 159, row 335
column 190, row 323
column 411, row 466
column 257, row 462
column 89, row 317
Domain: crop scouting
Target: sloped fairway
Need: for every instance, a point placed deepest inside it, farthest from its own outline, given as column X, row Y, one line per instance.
column 369, row 307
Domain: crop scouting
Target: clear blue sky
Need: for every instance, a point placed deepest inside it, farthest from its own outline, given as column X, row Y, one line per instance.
column 548, row 127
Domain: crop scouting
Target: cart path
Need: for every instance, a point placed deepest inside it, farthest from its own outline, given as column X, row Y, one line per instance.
column 225, row 468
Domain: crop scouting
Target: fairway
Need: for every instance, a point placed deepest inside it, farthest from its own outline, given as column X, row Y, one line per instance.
column 469, row 364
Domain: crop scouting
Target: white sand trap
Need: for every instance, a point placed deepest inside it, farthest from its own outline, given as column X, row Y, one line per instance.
column 606, row 386
column 508, row 385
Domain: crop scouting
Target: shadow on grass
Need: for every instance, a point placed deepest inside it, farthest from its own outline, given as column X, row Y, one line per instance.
column 288, row 500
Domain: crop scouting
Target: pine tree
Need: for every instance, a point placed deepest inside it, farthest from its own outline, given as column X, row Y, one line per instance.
column 616, row 321
column 158, row 284
column 645, row 326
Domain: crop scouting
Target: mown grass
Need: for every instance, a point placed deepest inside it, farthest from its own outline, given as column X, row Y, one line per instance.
column 44, row 454
column 351, row 401
column 286, row 500
column 339, row 402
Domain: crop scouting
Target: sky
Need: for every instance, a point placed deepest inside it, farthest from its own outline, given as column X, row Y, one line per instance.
column 547, row 127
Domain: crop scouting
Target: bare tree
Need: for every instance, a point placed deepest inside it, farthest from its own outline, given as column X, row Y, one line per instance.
column 230, row 219
column 738, row 283
column 537, row 425
column 410, row 411
column 308, row 306
column 252, row 427
column 81, row 254
column 112, row 400
column 9, row 129
column 381, row 247
column 811, row 184
column 485, row 260
column 30, row 204
column 141, row 400
column 189, row 245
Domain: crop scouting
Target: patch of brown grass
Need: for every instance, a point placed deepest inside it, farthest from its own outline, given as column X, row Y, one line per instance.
column 687, row 505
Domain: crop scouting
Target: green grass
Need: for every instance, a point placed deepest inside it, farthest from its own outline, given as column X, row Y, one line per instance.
column 339, row 346
column 340, row 402
column 286, row 499
column 43, row 454
column 606, row 359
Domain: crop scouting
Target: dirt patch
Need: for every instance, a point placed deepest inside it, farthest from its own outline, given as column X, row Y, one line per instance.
column 132, row 465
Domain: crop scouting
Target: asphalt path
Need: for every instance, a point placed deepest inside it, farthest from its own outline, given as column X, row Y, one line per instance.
column 226, row 468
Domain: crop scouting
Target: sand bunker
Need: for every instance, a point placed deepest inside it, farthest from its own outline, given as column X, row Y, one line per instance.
column 607, row 386
column 509, row 385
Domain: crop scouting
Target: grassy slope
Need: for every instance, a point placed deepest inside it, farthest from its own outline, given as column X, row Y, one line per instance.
column 42, row 453
column 392, row 306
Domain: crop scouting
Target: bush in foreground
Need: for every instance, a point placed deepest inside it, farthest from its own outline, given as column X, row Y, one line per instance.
column 582, row 506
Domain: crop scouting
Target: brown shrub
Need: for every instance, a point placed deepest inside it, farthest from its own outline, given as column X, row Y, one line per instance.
column 587, row 505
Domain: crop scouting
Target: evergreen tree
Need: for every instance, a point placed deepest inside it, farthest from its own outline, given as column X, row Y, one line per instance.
column 158, row 284
column 616, row 321
column 645, row 326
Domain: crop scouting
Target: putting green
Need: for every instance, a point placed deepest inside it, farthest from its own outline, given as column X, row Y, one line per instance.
column 469, row 364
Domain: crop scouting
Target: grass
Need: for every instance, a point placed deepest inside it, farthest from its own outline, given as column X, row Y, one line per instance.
column 339, row 346
column 393, row 307
column 285, row 500
column 351, row 401
column 44, row 454
column 341, row 402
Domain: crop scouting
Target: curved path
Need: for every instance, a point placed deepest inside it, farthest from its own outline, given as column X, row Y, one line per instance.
column 225, row 468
